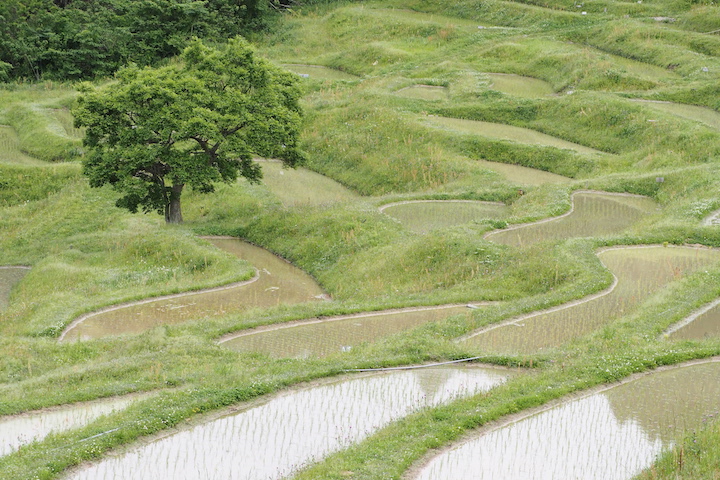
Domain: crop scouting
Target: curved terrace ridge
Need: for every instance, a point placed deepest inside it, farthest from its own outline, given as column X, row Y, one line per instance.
column 643, row 276
column 291, row 285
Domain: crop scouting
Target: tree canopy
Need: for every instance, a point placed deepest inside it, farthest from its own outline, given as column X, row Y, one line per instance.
column 195, row 122
column 80, row 39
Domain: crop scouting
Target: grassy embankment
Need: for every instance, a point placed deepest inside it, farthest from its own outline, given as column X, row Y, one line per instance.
column 86, row 254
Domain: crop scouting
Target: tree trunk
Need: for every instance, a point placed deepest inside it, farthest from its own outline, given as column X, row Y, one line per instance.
column 173, row 213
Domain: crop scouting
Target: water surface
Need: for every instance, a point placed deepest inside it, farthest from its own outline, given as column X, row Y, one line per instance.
column 501, row 131
column 18, row 430
column 278, row 282
column 422, row 216
column 640, row 272
column 611, row 435
column 702, row 324
column 339, row 334
column 704, row 115
column 593, row 214
column 272, row 440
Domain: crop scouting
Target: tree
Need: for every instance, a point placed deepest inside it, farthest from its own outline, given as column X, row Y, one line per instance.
column 195, row 122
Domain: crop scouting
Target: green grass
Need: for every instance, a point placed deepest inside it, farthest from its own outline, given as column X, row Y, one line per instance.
column 86, row 254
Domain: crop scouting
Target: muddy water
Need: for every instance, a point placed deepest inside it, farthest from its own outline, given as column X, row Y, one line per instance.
column 610, row 435
column 691, row 112
column 640, row 272
column 703, row 324
column 422, row 216
column 424, row 92
column 319, row 72
column 278, row 282
column 507, row 132
column 520, row 86
column 18, row 430
column 9, row 277
column 298, row 186
column 523, row 175
column 272, row 440
column 332, row 335
column 593, row 214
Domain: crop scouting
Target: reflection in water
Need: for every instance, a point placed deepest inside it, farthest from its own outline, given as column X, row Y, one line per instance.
column 18, row 430
column 9, row 277
column 507, row 132
column 298, row 186
column 523, row 175
column 520, row 86
column 640, row 272
column 272, row 440
column 421, row 216
column 279, row 282
column 593, row 214
column 323, row 337
column 703, row 324
column 605, row 436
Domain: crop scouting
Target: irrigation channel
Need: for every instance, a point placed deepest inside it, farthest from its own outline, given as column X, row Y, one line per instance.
column 607, row 434
column 270, row 440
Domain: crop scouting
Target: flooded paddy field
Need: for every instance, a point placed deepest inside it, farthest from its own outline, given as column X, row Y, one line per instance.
column 592, row 214
column 506, row 132
column 299, row 186
column 275, row 438
column 277, row 282
column 18, row 430
column 691, row 112
column 639, row 271
column 703, row 323
column 9, row 277
column 422, row 216
column 319, row 72
column 318, row 338
column 520, row 86
column 609, row 435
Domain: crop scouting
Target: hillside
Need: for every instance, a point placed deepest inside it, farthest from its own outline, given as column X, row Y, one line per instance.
column 433, row 132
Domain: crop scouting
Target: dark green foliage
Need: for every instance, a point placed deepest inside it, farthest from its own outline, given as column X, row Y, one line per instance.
column 87, row 39
column 193, row 123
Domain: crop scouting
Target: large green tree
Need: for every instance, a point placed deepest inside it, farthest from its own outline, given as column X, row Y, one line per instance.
column 194, row 123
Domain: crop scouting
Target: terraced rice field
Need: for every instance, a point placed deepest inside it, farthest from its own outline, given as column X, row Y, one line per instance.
column 422, row 216
column 622, row 429
column 275, row 438
column 276, row 282
column 605, row 312
column 507, row 132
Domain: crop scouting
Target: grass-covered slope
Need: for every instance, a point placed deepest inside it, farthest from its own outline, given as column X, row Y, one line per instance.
column 598, row 58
